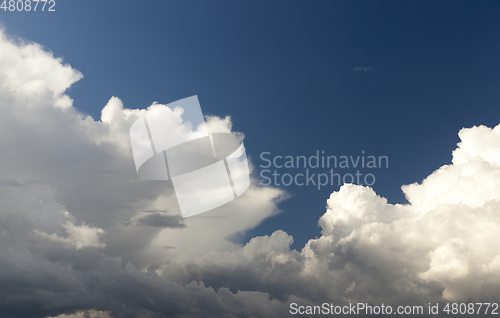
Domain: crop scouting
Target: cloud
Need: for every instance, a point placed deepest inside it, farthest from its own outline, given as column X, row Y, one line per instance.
column 69, row 187
column 43, row 276
column 82, row 235
column 77, row 236
column 89, row 163
column 86, row 314
column 362, row 69
column 33, row 75
column 439, row 247
column 160, row 219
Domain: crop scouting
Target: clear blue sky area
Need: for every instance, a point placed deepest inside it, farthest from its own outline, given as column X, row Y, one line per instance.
column 391, row 78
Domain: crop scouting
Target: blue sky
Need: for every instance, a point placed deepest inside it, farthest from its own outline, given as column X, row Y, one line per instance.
column 285, row 73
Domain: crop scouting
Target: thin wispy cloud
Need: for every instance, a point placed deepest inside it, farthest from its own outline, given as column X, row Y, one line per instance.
column 362, row 69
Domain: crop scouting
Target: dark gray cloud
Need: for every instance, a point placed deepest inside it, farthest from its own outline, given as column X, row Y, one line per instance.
column 161, row 220
column 51, row 266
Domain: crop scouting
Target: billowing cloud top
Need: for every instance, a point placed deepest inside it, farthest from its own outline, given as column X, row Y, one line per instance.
column 81, row 235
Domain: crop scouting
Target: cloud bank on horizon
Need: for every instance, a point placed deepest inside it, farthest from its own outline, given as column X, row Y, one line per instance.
column 81, row 235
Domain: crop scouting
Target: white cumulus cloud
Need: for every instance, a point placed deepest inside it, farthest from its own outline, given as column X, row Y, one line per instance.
column 442, row 246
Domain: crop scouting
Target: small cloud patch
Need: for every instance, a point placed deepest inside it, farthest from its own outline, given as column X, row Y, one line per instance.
column 362, row 69
column 161, row 220
column 156, row 219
